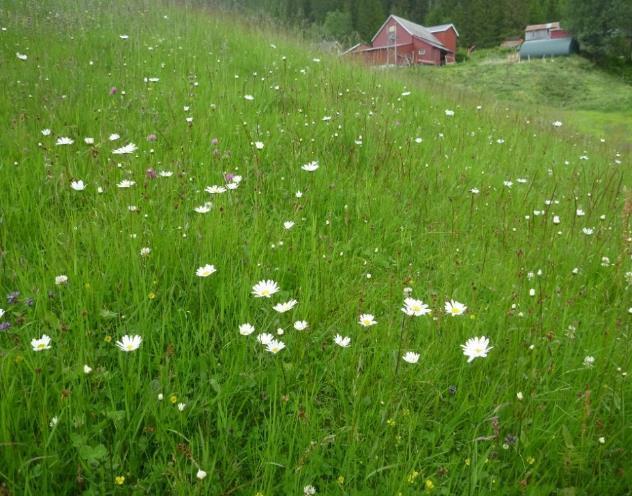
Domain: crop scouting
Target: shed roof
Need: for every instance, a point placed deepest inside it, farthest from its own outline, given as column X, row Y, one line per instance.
column 538, row 27
column 548, row 48
column 443, row 27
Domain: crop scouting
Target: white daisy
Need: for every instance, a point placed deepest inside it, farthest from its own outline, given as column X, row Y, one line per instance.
column 21, row 56
column 275, row 346
column 476, row 348
column 259, row 145
column 265, row 289
column 246, row 329
column 41, row 344
column 205, row 271
column 367, row 320
column 264, row 338
column 203, row 209
column 129, row 343
column 78, row 185
column 60, row 280
column 126, row 183
column 114, row 137
column 454, row 308
column 46, row 132
column 64, row 140
column 310, row 167
column 288, row 224
column 213, row 190
column 300, row 325
column 164, row 173
column 124, row 150
column 343, row 342
column 285, row 307
column 411, row 357
column 415, row 307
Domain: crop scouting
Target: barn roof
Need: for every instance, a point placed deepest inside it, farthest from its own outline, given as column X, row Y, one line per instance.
column 443, row 27
column 538, row 27
column 416, row 30
column 548, row 48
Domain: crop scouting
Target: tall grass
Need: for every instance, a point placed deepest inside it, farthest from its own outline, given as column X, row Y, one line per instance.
column 383, row 212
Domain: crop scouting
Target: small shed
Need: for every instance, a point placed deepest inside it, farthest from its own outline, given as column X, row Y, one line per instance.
column 548, row 48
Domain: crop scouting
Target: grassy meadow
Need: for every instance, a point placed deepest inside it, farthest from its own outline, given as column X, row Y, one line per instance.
column 143, row 141
column 590, row 100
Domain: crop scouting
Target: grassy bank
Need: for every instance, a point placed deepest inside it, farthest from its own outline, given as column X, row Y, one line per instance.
column 414, row 194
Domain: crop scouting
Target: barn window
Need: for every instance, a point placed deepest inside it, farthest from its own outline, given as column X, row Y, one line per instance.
column 422, row 51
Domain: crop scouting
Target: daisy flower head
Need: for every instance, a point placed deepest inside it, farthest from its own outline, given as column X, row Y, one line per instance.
column 246, row 329
column 265, row 289
column 129, row 343
column 264, row 338
column 64, row 140
column 42, row 343
column 341, row 341
column 476, row 348
column 201, row 474
column 288, row 224
column 21, row 56
column 124, row 150
column 46, row 132
column 126, row 183
column 413, row 307
column 145, row 251
column 411, row 357
column 310, row 166
column 205, row 271
column 367, row 320
column 61, row 280
column 78, row 185
column 285, row 307
column 259, row 145
column 454, row 308
column 204, row 209
column 301, row 325
column 114, row 137
column 275, row 346
column 214, row 190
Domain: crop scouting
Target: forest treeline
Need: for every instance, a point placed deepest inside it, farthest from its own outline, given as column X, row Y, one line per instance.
column 603, row 27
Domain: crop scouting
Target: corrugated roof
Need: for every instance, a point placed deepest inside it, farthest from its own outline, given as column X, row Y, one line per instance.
column 548, row 48
column 416, row 30
column 548, row 25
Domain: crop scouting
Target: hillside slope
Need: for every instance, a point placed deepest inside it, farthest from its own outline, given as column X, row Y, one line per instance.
column 160, row 163
column 571, row 89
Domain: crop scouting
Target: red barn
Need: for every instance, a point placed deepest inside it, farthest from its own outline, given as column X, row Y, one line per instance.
column 402, row 42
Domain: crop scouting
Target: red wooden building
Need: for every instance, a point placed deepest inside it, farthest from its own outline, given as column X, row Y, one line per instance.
column 402, row 42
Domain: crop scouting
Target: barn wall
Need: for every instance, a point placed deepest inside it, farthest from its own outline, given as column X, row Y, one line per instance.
column 403, row 37
column 432, row 55
column 448, row 38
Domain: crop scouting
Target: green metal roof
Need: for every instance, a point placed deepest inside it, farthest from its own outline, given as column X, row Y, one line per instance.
column 548, row 48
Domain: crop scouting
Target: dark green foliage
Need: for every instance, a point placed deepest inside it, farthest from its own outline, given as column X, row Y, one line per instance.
column 480, row 22
column 603, row 27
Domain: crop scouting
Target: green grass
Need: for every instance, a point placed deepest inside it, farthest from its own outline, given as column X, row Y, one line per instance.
column 375, row 218
column 591, row 101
